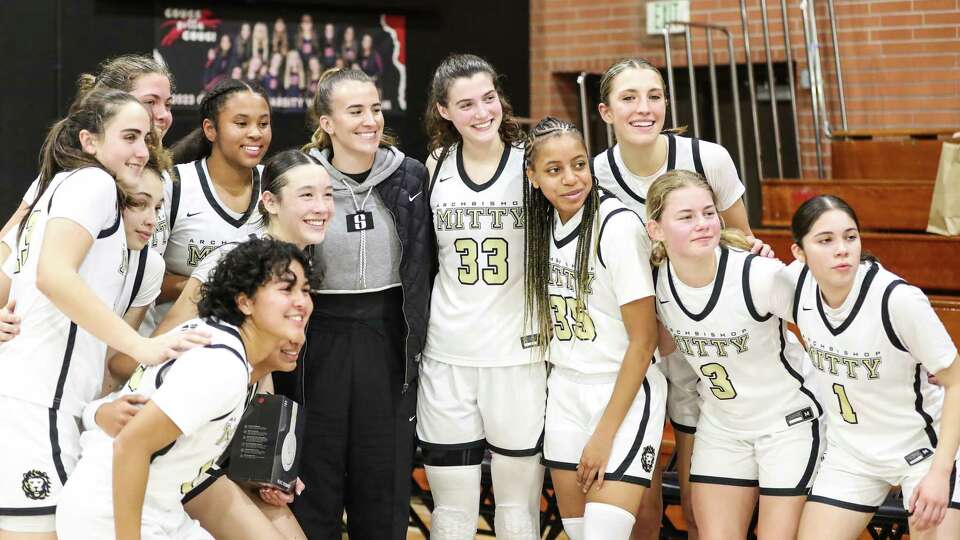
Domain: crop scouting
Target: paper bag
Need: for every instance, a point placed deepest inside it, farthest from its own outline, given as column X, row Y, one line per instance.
column 945, row 207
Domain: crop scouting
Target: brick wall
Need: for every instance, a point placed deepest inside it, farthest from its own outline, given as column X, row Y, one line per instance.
column 900, row 58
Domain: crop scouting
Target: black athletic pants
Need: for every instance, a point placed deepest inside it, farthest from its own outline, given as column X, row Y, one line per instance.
column 359, row 434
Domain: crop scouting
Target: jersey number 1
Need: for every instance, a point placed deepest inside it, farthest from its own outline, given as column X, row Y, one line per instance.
column 846, row 410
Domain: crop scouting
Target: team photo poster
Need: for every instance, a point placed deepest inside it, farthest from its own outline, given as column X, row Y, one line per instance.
column 285, row 51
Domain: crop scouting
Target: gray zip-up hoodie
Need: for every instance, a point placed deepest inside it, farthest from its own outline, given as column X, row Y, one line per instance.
column 365, row 260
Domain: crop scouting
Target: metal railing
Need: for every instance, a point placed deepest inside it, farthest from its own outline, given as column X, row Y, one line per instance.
column 818, row 101
column 734, row 84
column 821, row 124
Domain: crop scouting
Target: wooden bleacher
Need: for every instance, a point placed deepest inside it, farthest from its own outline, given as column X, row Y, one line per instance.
column 887, row 176
column 881, row 205
column 925, row 260
column 878, row 154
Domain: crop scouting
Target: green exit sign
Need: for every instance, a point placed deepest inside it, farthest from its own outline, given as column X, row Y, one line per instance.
column 660, row 12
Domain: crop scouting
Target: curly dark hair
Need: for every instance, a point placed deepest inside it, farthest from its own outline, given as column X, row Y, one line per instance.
column 245, row 269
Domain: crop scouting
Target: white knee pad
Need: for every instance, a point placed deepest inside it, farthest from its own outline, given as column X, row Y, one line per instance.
column 606, row 522
column 514, row 522
column 573, row 527
column 517, row 484
column 456, row 497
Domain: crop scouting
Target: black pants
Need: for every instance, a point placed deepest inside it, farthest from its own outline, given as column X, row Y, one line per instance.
column 359, row 436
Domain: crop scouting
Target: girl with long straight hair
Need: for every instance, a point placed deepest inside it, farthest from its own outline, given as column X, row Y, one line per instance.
column 71, row 264
column 481, row 384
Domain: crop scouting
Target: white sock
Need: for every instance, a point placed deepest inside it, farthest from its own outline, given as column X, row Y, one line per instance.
column 606, row 522
column 573, row 527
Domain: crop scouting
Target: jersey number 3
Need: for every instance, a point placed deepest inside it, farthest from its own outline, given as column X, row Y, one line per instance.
column 720, row 385
column 496, row 270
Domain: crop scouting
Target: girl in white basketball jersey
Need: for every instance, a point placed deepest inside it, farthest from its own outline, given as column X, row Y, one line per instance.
column 588, row 284
column 256, row 302
column 69, row 270
column 295, row 206
column 872, row 340
column 759, row 428
column 148, row 81
column 213, row 199
column 634, row 101
column 481, row 385
column 213, row 196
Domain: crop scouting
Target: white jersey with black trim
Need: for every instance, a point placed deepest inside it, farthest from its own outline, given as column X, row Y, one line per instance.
column 199, row 221
column 160, row 235
column 594, row 340
column 707, row 158
column 871, row 362
column 476, row 310
column 204, row 392
column 210, row 262
column 750, row 382
column 54, row 362
column 143, row 287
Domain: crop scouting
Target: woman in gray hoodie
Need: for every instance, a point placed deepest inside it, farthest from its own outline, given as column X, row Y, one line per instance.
column 358, row 378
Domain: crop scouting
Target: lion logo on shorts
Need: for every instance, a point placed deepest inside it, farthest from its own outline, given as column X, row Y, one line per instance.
column 648, row 458
column 36, row 485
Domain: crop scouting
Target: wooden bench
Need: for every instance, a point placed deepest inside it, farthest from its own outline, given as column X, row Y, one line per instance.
column 925, row 260
column 887, row 153
column 891, row 205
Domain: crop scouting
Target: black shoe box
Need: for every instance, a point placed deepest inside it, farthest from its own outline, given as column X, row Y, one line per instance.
column 266, row 448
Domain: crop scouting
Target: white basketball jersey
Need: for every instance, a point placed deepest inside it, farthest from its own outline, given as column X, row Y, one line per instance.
column 159, row 239
column 879, row 405
column 200, row 222
column 53, row 362
column 476, row 311
column 594, row 340
column 709, row 159
column 146, row 278
column 210, row 262
column 750, row 382
column 204, row 392
column 162, row 233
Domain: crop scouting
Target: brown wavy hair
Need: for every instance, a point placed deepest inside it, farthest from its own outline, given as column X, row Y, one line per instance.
column 441, row 131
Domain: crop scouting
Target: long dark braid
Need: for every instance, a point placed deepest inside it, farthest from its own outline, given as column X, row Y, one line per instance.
column 539, row 232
